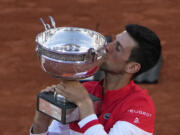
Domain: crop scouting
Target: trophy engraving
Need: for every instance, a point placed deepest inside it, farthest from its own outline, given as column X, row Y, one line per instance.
column 50, row 109
column 68, row 53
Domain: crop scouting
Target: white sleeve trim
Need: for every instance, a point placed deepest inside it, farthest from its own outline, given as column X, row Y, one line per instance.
column 96, row 130
column 87, row 119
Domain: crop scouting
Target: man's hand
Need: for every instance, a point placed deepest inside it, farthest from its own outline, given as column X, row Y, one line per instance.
column 74, row 92
column 41, row 123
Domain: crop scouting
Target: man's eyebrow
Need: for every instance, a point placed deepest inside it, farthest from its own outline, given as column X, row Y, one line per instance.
column 118, row 43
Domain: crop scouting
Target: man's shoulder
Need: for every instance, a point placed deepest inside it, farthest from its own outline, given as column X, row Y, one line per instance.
column 90, row 84
column 141, row 95
column 137, row 100
column 93, row 87
column 138, row 109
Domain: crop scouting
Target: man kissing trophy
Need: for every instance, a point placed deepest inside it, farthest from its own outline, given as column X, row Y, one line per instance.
column 68, row 53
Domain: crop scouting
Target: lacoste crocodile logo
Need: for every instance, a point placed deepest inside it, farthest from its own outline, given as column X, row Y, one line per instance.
column 107, row 116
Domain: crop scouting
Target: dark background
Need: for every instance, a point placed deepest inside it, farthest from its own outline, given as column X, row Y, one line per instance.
column 21, row 77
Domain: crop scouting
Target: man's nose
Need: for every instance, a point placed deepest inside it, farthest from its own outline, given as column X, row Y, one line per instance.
column 109, row 47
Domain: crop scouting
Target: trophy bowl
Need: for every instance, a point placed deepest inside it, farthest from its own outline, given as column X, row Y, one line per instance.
column 70, row 52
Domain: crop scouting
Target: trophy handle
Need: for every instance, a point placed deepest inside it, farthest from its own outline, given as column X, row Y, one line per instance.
column 47, row 26
column 52, row 22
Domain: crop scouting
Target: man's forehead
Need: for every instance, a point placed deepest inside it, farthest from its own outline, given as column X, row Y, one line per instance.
column 125, row 36
column 122, row 34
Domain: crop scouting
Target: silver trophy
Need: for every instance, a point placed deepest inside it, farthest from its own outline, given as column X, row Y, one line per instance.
column 68, row 53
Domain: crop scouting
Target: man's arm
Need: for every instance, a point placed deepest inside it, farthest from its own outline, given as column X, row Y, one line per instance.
column 40, row 123
column 55, row 128
column 89, row 123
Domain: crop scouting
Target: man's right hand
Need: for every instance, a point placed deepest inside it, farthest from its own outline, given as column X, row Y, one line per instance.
column 42, row 121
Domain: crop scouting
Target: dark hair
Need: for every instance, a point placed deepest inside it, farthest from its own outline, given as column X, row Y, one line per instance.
column 148, row 49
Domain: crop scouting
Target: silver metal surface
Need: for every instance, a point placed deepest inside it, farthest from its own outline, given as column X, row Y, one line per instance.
column 70, row 52
column 52, row 22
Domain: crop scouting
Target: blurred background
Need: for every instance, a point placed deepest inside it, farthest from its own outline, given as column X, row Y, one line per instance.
column 21, row 77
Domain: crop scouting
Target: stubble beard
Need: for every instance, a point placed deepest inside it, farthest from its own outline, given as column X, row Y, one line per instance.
column 104, row 67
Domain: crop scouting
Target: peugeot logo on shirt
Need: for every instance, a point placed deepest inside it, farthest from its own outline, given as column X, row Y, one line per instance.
column 107, row 116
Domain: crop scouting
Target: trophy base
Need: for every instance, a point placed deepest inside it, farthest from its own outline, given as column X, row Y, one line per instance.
column 48, row 104
column 62, row 111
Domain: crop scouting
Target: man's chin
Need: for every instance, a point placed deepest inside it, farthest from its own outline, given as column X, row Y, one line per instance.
column 102, row 67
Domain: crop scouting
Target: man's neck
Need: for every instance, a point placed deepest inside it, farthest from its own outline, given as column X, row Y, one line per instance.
column 115, row 82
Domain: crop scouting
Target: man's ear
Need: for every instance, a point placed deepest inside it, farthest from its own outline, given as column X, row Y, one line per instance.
column 132, row 67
